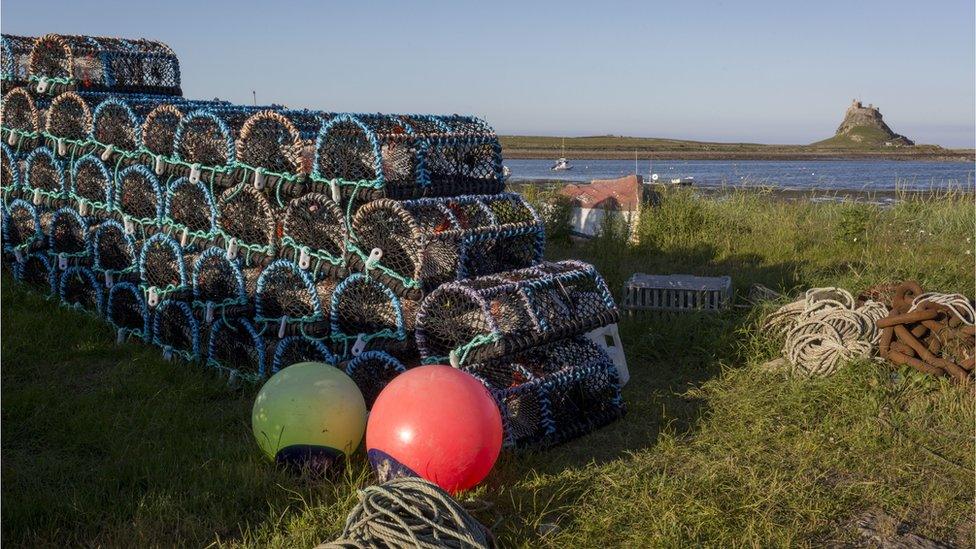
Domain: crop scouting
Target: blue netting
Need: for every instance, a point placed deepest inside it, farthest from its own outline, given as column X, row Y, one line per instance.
column 113, row 252
column 66, row 62
column 78, row 287
column 15, row 58
column 295, row 349
column 37, row 272
column 127, row 311
column 176, row 330
column 162, row 269
column 21, row 228
column 220, row 288
column 92, row 186
column 67, row 236
column 9, row 174
column 237, row 348
column 190, row 212
column 366, row 315
column 21, row 116
column 45, row 177
column 372, row 371
column 289, row 302
column 553, row 393
column 138, row 199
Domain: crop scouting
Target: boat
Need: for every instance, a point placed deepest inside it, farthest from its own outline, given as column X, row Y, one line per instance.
column 562, row 164
column 506, row 173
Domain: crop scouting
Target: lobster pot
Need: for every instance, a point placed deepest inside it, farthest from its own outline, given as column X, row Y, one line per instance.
column 114, row 253
column 221, row 287
column 138, row 200
column 370, row 157
column 15, row 59
column 122, row 65
column 37, row 272
column 295, row 349
column 237, row 348
column 553, row 393
column 176, row 330
column 118, row 123
column 204, row 145
column 463, row 155
column 127, row 312
column 68, row 238
column 287, row 301
column 429, row 241
column 160, row 124
column 21, row 116
column 314, row 235
column 190, row 213
column 247, row 224
column 22, row 233
column 372, row 371
column 10, row 182
column 277, row 146
column 68, row 124
column 492, row 316
column 366, row 315
column 92, row 187
column 45, row 180
column 79, row 287
column 162, row 270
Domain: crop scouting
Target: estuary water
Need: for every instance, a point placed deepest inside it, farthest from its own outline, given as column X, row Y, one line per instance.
column 826, row 175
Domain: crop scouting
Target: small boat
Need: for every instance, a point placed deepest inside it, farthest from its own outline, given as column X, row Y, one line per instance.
column 506, row 173
column 562, row 164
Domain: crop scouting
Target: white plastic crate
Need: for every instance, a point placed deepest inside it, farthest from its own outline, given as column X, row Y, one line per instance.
column 679, row 292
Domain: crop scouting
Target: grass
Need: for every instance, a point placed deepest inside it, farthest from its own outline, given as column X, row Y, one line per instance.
column 110, row 445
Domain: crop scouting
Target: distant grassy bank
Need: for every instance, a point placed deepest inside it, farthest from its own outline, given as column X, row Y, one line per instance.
column 109, row 445
column 619, row 147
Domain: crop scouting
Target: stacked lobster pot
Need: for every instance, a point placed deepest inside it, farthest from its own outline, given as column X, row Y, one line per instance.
column 536, row 338
column 249, row 238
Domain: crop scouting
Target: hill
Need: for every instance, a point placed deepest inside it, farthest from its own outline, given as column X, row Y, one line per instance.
column 864, row 128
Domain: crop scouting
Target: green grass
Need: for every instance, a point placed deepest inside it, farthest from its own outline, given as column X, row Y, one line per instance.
column 110, row 445
column 861, row 137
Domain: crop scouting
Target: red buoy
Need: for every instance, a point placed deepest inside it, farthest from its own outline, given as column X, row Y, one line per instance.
column 438, row 423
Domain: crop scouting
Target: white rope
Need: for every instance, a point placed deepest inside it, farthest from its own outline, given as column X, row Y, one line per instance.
column 957, row 303
column 825, row 329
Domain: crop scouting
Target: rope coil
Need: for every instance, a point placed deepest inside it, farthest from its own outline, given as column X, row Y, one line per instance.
column 410, row 512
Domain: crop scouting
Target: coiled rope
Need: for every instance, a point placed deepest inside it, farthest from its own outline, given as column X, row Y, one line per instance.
column 826, row 329
column 410, row 512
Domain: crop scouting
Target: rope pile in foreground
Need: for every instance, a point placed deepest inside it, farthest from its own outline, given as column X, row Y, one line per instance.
column 410, row 512
column 931, row 332
column 825, row 329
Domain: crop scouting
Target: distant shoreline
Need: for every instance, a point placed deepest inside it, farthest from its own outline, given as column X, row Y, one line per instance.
column 944, row 155
column 612, row 147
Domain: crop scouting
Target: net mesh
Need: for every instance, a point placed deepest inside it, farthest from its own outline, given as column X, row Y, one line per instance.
column 295, row 349
column 10, row 181
column 78, row 287
column 316, row 224
column 92, row 184
column 219, row 283
column 366, row 312
column 138, row 197
column 36, row 271
column 286, row 291
column 372, row 371
column 118, row 122
column 15, row 58
column 247, row 216
column 104, row 63
column 279, row 141
column 236, row 347
column 69, row 118
column 176, row 330
column 430, row 241
column 162, row 265
column 463, row 155
column 553, row 393
column 21, row 227
column 159, row 128
column 491, row 316
column 45, row 175
column 189, row 207
column 67, row 234
column 127, row 311
column 19, row 112
column 113, row 251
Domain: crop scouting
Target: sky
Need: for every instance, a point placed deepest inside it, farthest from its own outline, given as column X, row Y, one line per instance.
column 761, row 71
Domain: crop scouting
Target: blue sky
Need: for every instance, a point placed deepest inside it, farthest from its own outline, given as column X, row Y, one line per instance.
column 769, row 71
